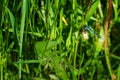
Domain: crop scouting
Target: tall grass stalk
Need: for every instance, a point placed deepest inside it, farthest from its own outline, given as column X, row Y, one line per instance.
column 21, row 36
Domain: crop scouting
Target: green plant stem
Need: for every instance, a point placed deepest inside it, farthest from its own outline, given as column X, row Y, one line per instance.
column 106, row 39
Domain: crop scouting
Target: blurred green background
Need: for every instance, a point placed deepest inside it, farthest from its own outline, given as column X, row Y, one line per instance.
column 46, row 40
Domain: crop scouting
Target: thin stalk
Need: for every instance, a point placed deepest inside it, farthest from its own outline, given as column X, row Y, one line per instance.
column 75, row 50
column 106, row 25
column 75, row 56
column 21, row 35
column 1, row 39
column 1, row 72
column 100, row 10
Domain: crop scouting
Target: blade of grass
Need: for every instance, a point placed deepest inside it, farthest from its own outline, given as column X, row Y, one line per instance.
column 27, row 61
column 100, row 10
column 1, row 67
column 92, row 10
column 12, row 19
column 115, row 7
column 21, row 35
column 1, row 4
column 1, row 38
column 118, row 73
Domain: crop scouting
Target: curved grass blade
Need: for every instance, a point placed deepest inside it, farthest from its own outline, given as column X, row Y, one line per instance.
column 92, row 10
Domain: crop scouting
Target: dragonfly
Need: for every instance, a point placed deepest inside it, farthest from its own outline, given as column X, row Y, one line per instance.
column 87, row 28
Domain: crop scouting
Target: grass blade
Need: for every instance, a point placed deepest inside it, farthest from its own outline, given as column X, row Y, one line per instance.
column 21, row 35
column 92, row 10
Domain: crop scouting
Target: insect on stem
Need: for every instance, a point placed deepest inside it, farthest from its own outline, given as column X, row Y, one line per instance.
column 87, row 28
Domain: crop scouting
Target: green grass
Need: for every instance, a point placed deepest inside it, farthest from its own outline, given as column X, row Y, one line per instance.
column 43, row 40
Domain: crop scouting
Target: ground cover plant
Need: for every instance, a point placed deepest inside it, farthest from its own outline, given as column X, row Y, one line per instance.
column 59, row 40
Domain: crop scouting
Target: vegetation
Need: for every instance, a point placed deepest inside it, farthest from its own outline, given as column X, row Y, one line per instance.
column 46, row 40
